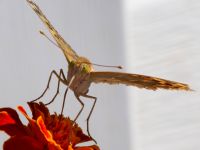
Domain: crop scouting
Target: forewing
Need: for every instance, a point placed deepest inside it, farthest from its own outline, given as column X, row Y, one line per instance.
column 69, row 53
column 140, row 81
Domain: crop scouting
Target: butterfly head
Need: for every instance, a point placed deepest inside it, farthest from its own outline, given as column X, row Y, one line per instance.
column 83, row 65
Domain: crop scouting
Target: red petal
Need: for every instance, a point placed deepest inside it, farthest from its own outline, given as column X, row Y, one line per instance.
column 23, row 143
column 13, row 114
column 39, row 110
column 10, row 122
column 22, row 110
column 93, row 147
column 6, row 119
column 33, row 126
column 78, row 136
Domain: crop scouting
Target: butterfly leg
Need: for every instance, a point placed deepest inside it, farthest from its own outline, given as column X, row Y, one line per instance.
column 58, row 76
column 88, row 118
column 63, row 104
column 65, row 94
column 58, row 86
column 82, row 106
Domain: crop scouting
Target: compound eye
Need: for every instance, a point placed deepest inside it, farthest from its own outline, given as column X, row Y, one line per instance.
column 84, row 68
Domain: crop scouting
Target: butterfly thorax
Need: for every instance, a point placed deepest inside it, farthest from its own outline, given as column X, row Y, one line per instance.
column 78, row 75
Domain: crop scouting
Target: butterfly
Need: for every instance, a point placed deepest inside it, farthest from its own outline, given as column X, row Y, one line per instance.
column 81, row 73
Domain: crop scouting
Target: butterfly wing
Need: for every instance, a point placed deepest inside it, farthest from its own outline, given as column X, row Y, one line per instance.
column 69, row 53
column 140, row 81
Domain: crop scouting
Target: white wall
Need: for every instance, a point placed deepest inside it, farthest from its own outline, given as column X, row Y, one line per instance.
column 162, row 39
column 158, row 38
column 94, row 29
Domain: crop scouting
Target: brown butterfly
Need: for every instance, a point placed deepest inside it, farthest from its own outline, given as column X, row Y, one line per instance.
column 81, row 74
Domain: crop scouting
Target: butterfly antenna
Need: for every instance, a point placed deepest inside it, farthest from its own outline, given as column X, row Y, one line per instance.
column 118, row 67
column 42, row 33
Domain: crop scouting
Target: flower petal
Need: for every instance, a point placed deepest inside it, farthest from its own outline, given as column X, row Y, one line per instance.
column 78, row 136
column 33, row 127
column 70, row 147
column 10, row 122
column 47, row 134
column 93, row 147
column 39, row 110
column 23, row 111
column 13, row 114
column 22, row 143
column 6, row 119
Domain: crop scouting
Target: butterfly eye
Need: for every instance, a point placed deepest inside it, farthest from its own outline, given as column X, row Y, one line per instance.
column 84, row 68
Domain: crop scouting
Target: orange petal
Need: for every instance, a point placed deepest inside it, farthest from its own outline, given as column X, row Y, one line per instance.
column 47, row 134
column 70, row 147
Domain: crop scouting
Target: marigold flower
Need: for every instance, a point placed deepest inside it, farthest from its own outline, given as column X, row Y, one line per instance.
column 44, row 131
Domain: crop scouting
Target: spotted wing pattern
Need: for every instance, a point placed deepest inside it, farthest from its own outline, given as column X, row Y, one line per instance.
column 69, row 53
column 140, row 81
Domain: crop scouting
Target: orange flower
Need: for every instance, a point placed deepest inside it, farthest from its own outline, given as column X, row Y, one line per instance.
column 43, row 132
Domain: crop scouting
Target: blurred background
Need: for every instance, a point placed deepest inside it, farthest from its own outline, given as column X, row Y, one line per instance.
column 151, row 37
